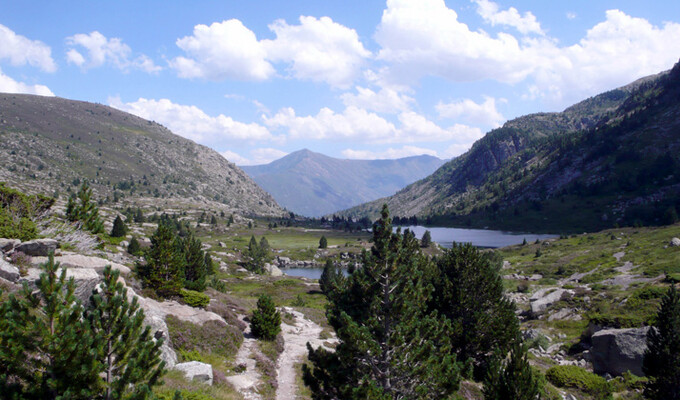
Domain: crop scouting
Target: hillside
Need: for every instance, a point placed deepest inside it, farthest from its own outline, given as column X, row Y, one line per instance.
column 611, row 159
column 50, row 144
column 313, row 184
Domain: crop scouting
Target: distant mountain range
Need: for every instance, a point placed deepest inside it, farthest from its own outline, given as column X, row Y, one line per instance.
column 51, row 144
column 610, row 160
column 313, row 184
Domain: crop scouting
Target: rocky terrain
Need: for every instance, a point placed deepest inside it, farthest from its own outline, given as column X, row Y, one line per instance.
column 313, row 184
column 51, row 144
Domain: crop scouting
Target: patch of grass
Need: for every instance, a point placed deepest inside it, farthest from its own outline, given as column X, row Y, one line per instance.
column 211, row 338
column 571, row 376
column 303, row 392
column 175, row 381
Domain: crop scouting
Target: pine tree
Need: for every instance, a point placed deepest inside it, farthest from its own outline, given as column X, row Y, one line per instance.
column 266, row 321
column 164, row 267
column 264, row 244
column 119, row 229
column 661, row 362
column 323, row 242
column 426, row 241
column 85, row 210
column 195, row 269
column 512, row 379
column 47, row 349
column 209, row 265
column 468, row 291
column 256, row 255
column 125, row 346
column 390, row 346
column 213, row 220
column 133, row 247
column 329, row 276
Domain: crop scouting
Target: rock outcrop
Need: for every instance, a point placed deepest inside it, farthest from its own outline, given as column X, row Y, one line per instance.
column 38, row 247
column 616, row 351
column 675, row 242
column 544, row 298
column 7, row 245
column 194, row 370
column 79, row 261
column 8, row 271
column 85, row 279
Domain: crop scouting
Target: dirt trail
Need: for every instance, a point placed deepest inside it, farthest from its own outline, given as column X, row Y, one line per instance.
column 296, row 338
column 247, row 381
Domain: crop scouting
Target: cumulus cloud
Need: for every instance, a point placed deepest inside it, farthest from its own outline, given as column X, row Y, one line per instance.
column 100, row 50
column 319, row 50
column 9, row 85
column 473, row 113
column 20, row 50
column 192, row 122
column 386, row 100
column 390, row 153
column 426, row 38
column 491, row 13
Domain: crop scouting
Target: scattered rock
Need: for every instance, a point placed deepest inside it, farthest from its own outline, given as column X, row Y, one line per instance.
column 9, row 271
column 544, row 298
column 7, row 245
column 195, row 370
column 222, row 244
column 272, row 270
column 535, row 277
column 616, row 351
column 79, row 261
column 38, row 247
column 566, row 314
column 675, row 242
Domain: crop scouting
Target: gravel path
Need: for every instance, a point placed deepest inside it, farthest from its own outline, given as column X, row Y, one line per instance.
column 247, row 381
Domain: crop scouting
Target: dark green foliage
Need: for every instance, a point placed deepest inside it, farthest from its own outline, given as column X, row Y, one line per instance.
column 469, row 293
column 195, row 268
column 513, row 378
column 266, row 321
column 133, row 247
column 257, row 256
column 390, row 346
column 17, row 211
column 194, row 298
column 323, row 242
column 125, row 346
column 119, row 229
column 47, row 351
column 329, row 276
column 209, row 264
column 213, row 220
column 571, row 376
column 662, row 357
column 264, row 244
column 670, row 216
column 163, row 270
column 85, row 210
column 426, row 241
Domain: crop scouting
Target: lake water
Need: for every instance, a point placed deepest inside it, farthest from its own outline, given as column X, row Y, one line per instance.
column 445, row 238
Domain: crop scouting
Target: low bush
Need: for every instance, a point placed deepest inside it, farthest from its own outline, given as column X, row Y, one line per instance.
column 213, row 337
column 571, row 376
column 194, row 298
column 18, row 211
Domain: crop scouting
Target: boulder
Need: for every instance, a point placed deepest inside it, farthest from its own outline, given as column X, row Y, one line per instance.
column 272, row 270
column 544, row 298
column 675, row 242
column 79, row 261
column 616, row 351
column 9, row 271
column 86, row 280
column 194, row 370
column 7, row 245
column 38, row 247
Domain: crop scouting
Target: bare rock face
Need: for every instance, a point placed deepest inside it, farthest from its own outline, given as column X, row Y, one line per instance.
column 78, row 261
column 9, row 271
column 195, row 370
column 616, row 351
column 7, row 245
column 544, row 298
column 38, row 247
column 85, row 279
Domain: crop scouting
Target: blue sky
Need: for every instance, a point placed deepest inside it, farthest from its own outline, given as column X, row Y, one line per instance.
column 256, row 80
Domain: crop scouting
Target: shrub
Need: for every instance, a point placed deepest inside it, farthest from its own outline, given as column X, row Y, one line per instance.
column 323, row 242
column 194, row 298
column 266, row 321
column 571, row 376
column 17, row 212
column 213, row 337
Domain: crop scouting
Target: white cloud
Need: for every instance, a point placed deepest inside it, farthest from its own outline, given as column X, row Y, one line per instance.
column 20, row 50
column 492, row 14
column 223, row 50
column 390, row 153
column 319, row 50
column 471, row 112
column 257, row 156
column 386, row 100
column 192, row 123
column 9, row 85
column 100, row 50
column 571, row 15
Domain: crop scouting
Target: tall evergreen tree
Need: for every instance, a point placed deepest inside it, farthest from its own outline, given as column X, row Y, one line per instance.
column 390, row 346
column 426, row 241
column 323, row 242
column 513, row 378
column 163, row 270
column 125, row 347
column 134, row 247
column 85, row 210
column 266, row 321
column 47, row 351
column 469, row 293
column 329, row 276
column 195, row 269
column 264, row 244
column 256, row 255
column 661, row 362
column 119, row 229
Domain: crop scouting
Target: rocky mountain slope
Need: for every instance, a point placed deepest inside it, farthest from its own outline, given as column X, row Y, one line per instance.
column 313, row 184
column 611, row 159
column 50, row 144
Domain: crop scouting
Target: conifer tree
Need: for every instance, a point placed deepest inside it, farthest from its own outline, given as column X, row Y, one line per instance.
column 512, row 379
column 426, row 241
column 256, row 255
column 85, row 210
column 328, row 277
column 119, row 229
column 47, row 350
column 661, row 362
column 390, row 346
column 195, row 269
column 125, row 347
column 163, row 270
column 266, row 321
column 468, row 291
column 323, row 242
column 210, row 267
column 134, row 247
